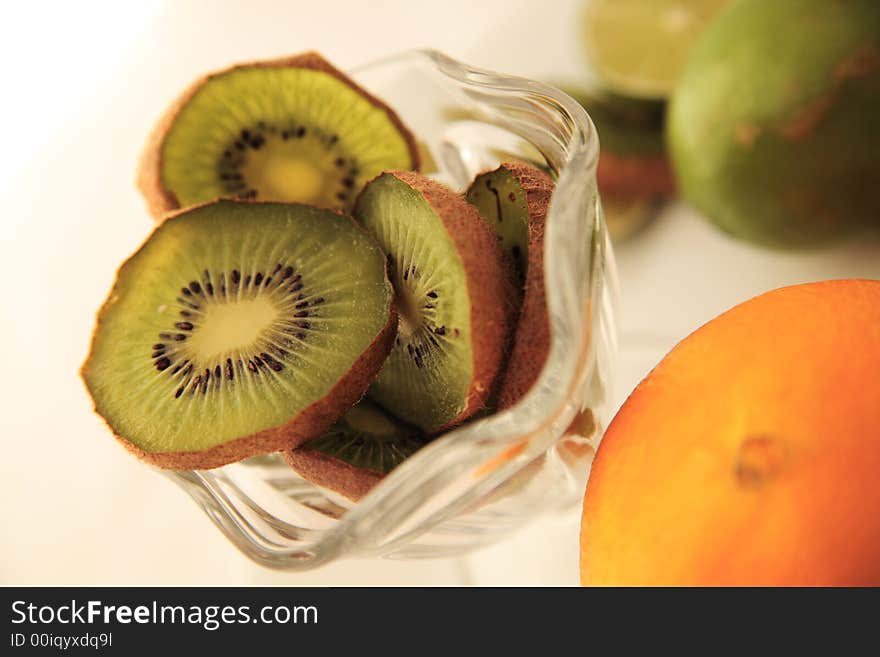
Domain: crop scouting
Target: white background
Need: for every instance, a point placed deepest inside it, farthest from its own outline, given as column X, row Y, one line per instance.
column 82, row 85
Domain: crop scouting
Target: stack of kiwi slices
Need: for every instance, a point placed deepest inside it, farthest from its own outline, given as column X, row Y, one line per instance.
column 308, row 292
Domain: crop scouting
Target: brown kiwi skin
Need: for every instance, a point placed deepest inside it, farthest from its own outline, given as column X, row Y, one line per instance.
column 311, row 422
column 635, row 176
column 330, row 472
column 161, row 200
column 493, row 304
column 531, row 340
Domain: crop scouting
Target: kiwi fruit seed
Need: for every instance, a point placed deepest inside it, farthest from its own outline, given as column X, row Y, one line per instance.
column 356, row 452
column 455, row 300
column 294, row 130
column 514, row 199
column 239, row 328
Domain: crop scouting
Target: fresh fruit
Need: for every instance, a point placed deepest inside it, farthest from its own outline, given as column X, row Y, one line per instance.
column 774, row 128
column 632, row 159
column 626, row 217
column 502, row 203
column 292, row 129
column 454, row 300
column 634, row 174
column 638, row 47
column 514, row 199
column 355, row 453
column 239, row 329
column 749, row 455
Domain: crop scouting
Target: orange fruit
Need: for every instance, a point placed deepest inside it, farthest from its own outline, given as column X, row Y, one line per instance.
column 751, row 454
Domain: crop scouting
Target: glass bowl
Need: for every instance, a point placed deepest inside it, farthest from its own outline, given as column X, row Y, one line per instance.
column 485, row 479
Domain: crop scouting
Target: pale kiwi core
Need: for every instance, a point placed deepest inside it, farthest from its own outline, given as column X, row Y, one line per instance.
column 287, row 177
column 367, row 437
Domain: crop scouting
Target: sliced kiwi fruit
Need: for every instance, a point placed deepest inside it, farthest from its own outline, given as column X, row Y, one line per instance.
column 455, row 300
column 633, row 162
column 239, row 328
column 634, row 174
column 294, row 130
column 356, row 452
column 513, row 199
column 501, row 201
column 632, row 124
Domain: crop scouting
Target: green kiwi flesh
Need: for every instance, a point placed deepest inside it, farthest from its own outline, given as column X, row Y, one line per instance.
column 357, row 451
column 454, row 300
column 514, row 200
column 291, row 130
column 501, row 201
column 239, row 328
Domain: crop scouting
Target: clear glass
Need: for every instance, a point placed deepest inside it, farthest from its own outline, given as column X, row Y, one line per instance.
column 478, row 483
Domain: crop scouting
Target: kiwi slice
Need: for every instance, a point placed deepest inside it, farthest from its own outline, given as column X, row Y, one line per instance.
column 294, row 129
column 513, row 199
column 501, row 201
column 237, row 329
column 356, row 452
column 633, row 162
column 454, row 300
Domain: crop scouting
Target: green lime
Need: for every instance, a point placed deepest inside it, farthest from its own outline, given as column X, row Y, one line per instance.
column 638, row 47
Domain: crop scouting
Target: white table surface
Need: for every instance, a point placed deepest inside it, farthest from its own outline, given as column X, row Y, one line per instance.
column 81, row 91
